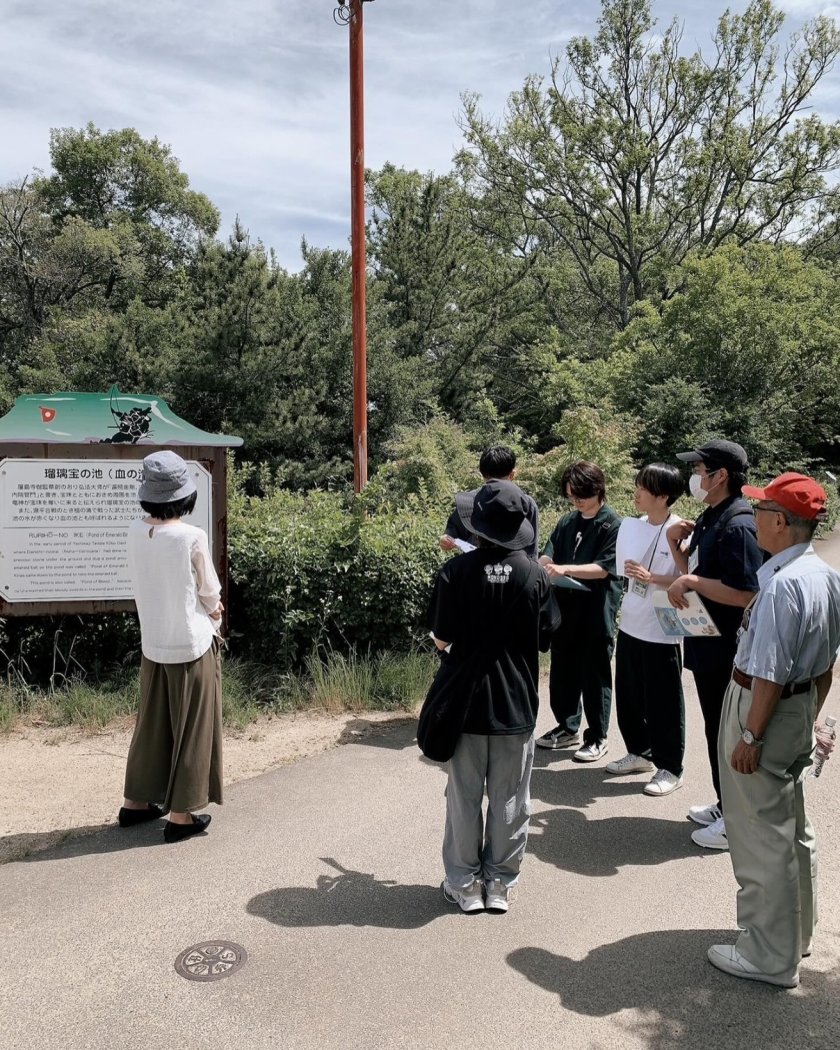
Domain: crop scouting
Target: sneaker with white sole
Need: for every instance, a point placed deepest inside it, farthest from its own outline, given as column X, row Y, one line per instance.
column 468, row 899
column 497, row 895
column 663, row 782
column 558, row 738
column 705, row 815
column 591, row 752
column 630, row 764
column 712, row 837
column 726, row 957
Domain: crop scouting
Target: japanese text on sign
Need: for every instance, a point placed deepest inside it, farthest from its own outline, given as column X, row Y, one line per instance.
column 63, row 527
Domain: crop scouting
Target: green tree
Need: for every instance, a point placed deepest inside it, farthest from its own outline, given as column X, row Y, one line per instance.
column 450, row 291
column 92, row 264
column 636, row 154
column 748, row 349
column 119, row 181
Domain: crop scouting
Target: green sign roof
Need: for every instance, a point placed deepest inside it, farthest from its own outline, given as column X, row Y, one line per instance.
column 113, row 418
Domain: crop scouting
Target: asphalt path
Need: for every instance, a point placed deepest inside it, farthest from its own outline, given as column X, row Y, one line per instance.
column 328, row 873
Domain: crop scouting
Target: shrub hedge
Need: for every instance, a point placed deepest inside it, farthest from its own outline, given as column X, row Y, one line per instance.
column 310, row 570
column 330, row 572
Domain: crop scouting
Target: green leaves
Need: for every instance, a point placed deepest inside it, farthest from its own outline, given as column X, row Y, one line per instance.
column 748, row 348
column 637, row 154
column 314, row 571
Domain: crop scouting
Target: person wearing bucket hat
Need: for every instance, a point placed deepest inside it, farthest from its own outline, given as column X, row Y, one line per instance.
column 490, row 613
column 497, row 463
column 788, row 645
column 175, row 759
column 166, row 479
column 720, row 563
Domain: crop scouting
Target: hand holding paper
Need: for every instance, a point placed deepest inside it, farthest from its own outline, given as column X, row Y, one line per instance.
column 694, row 620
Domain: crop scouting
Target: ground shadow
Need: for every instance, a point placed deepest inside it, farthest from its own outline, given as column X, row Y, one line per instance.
column 79, row 842
column 545, row 757
column 566, row 839
column 396, row 734
column 580, row 786
column 680, row 1000
column 351, row 898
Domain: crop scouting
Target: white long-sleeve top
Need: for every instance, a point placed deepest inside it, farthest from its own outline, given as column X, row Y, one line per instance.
column 175, row 588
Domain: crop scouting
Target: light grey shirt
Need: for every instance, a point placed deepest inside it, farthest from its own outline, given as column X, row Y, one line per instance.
column 793, row 628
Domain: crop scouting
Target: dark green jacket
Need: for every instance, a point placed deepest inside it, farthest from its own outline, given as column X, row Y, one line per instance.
column 576, row 541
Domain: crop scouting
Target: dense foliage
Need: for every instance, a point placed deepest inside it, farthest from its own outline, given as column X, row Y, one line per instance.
column 650, row 234
column 640, row 255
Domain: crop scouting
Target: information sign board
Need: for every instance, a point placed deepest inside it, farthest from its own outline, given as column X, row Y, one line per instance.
column 63, row 526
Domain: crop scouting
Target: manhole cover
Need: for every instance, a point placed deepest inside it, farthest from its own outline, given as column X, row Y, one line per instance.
column 211, row 961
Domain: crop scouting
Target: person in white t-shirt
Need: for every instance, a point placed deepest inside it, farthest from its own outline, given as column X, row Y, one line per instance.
column 175, row 760
column 648, row 666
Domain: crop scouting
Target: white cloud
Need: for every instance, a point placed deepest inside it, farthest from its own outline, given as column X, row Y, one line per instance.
column 252, row 94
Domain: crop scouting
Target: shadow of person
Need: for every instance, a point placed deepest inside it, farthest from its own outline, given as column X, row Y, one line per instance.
column 397, row 733
column 566, row 839
column 579, row 786
column 679, row 1000
column 351, row 898
column 79, row 842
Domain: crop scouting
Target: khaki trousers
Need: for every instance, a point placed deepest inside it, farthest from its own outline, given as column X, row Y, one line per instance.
column 771, row 839
column 175, row 758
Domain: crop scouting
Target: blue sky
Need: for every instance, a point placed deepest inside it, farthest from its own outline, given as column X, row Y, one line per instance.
column 252, row 94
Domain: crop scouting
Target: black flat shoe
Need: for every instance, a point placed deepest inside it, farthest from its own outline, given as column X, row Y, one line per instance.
column 176, row 832
column 129, row 817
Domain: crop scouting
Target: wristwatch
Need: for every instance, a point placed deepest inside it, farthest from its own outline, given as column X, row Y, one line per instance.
column 750, row 740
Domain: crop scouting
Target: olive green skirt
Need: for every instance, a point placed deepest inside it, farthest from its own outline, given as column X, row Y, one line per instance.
column 175, row 758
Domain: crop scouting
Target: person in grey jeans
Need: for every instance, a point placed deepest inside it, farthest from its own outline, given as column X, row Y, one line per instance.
column 494, row 609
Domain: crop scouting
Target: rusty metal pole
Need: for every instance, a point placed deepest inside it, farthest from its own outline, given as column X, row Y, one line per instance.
column 357, row 225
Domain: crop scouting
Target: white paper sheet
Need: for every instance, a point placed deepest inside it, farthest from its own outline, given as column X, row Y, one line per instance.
column 695, row 621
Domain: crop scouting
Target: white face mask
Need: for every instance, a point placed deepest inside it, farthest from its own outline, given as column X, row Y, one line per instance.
column 695, row 487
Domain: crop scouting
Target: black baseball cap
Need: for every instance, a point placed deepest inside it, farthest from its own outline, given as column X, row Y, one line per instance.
column 715, row 454
column 499, row 515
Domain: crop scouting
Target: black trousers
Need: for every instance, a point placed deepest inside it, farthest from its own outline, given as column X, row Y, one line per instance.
column 711, row 688
column 580, row 668
column 649, row 701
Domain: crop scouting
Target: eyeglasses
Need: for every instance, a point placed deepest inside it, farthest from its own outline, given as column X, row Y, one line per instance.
column 708, row 473
column 772, row 510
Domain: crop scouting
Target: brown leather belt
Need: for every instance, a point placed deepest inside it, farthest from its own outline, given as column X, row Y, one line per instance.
column 746, row 681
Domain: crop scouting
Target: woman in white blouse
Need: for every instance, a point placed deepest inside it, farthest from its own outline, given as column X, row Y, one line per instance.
column 175, row 759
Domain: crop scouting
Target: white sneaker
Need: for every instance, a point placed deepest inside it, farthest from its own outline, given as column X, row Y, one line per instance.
column 726, row 957
column 591, row 752
column 471, row 898
column 705, row 814
column 497, row 896
column 663, row 782
column 630, row 764
column 712, row 837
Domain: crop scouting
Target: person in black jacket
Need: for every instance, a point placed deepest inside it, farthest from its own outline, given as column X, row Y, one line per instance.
column 493, row 609
column 580, row 559
column 721, row 564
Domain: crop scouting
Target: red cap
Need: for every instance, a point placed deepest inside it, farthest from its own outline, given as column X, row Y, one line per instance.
column 797, row 493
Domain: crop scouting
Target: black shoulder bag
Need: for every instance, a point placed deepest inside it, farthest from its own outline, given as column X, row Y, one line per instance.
column 445, row 708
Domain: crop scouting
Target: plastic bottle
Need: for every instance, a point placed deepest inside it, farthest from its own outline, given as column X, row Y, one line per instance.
column 821, row 754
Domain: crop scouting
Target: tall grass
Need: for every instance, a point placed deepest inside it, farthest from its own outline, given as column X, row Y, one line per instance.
column 78, row 702
column 357, row 681
column 332, row 682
